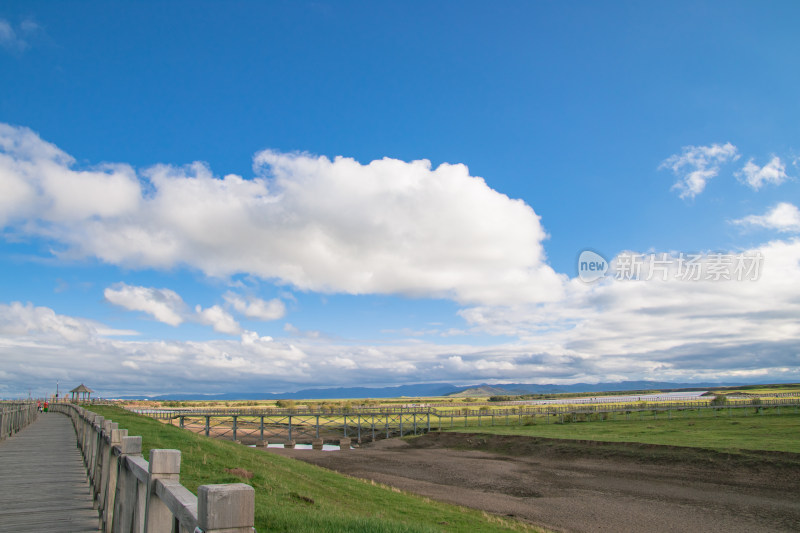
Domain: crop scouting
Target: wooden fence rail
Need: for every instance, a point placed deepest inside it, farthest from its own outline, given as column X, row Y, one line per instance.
column 485, row 410
column 133, row 495
column 15, row 416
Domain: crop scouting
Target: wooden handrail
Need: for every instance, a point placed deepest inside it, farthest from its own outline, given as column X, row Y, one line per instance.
column 16, row 415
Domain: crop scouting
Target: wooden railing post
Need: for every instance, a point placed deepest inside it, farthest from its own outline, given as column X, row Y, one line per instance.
column 164, row 465
column 226, row 508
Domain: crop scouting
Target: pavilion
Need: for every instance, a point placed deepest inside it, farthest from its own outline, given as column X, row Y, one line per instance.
column 81, row 393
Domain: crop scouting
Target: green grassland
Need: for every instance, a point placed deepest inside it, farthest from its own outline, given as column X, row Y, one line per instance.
column 292, row 496
column 766, row 389
column 765, row 431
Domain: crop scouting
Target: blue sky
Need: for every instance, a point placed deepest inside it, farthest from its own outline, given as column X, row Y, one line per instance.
column 267, row 196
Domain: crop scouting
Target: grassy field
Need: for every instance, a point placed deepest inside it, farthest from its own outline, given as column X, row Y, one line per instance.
column 292, row 496
column 774, row 432
column 768, row 389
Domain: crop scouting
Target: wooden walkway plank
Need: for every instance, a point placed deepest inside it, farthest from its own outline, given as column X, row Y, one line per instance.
column 43, row 483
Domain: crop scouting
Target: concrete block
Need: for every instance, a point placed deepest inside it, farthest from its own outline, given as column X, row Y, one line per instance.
column 225, row 507
column 165, row 462
column 131, row 445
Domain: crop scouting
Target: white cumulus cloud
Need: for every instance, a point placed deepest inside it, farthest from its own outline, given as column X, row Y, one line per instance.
column 257, row 308
column 336, row 226
column 696, row 165
column 40, row 186
column 219, row 319
column 773, row 172
column 23, row 320
column 607, row 331
column 164, row 305
column 784, row 217
column 167, row 306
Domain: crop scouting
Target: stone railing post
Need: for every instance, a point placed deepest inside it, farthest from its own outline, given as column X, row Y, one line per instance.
column 165, row 465
column 126, row 495
column 107, row 516
column 108, row 428
column 226, row 508
column 94, row 442
column 85, row 438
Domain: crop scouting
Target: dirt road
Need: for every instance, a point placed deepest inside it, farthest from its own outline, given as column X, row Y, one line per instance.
column 574, row 486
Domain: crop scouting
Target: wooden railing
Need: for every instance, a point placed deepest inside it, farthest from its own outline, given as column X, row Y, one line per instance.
column 134, row 495
column 461, row 410
column 14, row 416
column 300, row 426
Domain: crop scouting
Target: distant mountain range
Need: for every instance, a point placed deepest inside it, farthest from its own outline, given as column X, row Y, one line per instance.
column 440, row 389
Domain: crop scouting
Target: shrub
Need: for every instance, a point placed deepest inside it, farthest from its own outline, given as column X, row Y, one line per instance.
column 721, row 399
column 500, row 398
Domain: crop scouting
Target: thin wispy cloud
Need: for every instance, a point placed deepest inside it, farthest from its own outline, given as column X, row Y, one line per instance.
column 16, row 39
column 696, row 165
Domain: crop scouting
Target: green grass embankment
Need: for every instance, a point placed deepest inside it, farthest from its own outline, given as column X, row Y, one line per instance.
column 292, row 496
column 771, row 432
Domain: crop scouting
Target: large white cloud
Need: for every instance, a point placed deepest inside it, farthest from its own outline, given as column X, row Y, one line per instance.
column 670, row 329
column 384, row 227
column 324, row 225
column 696, row 165
column 726, row 330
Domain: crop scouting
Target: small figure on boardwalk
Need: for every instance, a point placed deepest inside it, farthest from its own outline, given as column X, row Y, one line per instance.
column 46, row 405
column 39, row 406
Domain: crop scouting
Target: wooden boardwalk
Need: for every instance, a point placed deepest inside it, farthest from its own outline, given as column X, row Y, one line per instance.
column 43, row 483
